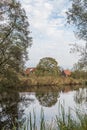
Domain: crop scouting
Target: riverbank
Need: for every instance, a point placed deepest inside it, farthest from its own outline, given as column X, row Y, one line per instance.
column 35, row 83
column 50, row 81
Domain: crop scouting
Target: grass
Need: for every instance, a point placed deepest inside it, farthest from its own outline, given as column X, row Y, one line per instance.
column 49, row 80
column 66, row 122
column 63, row 122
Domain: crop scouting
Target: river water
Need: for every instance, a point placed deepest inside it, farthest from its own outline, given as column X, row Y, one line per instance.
column 16, row 105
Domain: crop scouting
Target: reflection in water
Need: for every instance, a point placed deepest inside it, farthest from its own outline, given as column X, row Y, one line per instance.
column 8, row 108
column 81, row 96
column 67, row 89
column 19, row 105
column 26, row 99
column 47, row 99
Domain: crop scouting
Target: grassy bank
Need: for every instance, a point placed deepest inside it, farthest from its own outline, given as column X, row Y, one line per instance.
column 49, row 80
column 36, row 82
column 62, row 122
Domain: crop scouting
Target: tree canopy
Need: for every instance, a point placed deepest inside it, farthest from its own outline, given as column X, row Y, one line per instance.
column 77, row 16
column 14, row 35
column 47, row 66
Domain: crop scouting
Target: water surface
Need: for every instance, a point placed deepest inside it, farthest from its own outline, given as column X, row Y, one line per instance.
column 18, row 105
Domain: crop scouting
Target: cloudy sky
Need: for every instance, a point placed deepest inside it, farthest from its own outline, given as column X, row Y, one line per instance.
column 51, row 35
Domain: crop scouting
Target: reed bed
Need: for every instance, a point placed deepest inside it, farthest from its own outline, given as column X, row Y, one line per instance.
column 63, row 122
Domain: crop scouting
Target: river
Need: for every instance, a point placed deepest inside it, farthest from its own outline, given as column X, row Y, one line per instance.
column 17, row 105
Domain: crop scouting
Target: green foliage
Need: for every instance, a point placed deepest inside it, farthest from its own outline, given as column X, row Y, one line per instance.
column 14, row 37
column 9, row 79
column 47, row 66
column 77, row 16
column 78, row 71
column 14, row 34
column 79, row 74
column 68, row 123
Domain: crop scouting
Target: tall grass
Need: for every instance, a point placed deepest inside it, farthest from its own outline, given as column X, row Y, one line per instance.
column 67, row 122
column 63, row 122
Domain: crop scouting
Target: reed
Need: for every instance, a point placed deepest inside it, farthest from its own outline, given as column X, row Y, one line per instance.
column 67, row 122
column 63, row 122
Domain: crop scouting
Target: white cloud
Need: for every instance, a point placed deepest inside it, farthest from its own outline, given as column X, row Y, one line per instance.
column 50, row 37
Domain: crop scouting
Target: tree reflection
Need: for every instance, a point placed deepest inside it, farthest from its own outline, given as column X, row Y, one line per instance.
column 47, row 99
column 8, row 109
column 26, row 99
column 12, row 107
column 80, row 96
column 67, row 89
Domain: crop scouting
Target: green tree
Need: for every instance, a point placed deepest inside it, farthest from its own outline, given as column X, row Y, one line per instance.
column 47, row 66
column 78, row 71
column 77, row 16
column 77, row 67
column 14, row 36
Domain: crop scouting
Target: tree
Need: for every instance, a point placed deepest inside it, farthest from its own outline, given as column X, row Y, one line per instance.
column 77, row 67
column 47, row 66
column 77, row 16
column 14, row 36
column 78, row 71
